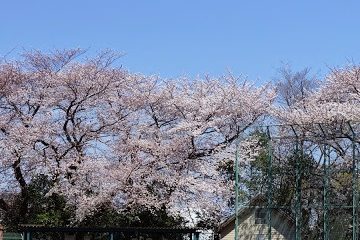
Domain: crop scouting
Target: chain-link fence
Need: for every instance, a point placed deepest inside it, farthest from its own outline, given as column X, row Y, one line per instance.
column 305, row 177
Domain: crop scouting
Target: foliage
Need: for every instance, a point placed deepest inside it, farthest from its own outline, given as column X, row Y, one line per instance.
column 43, row 209
column 137, row 217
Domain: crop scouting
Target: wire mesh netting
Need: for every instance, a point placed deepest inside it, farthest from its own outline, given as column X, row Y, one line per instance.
column 305, row 180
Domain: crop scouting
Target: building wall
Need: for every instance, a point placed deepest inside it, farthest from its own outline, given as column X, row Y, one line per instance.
column 282, row 228
column 69, row 237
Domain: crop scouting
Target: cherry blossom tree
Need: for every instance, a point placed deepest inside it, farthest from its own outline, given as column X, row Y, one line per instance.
column 326, row 122
column 104, row 135
column 336, row 100
column 52, row 112
column 329, row 115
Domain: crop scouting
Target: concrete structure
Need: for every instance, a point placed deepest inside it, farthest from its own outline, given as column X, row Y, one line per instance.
column 253, row 224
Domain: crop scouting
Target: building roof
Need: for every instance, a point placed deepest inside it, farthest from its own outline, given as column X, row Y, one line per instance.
column 42, row 228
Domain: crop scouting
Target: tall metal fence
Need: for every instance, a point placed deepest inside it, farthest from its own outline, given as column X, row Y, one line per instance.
column 308, row 173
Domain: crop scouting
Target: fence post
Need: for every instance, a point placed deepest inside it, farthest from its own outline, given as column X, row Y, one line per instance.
column 236, row 233
column 326, row 192
column 269, row 192
column 298, row 170
column 354, row 183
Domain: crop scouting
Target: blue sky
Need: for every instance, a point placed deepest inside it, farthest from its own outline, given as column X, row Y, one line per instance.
column 176, row 38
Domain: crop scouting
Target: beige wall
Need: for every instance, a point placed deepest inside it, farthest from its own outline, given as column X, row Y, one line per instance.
column 282, row 229
column 1, row 232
